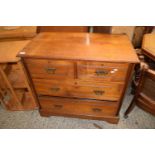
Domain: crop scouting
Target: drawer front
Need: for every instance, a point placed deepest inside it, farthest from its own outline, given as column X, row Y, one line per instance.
column 56, row 88
column 78, row 106
column 98, row 71
column 50, row 69
column 106, row 92
column 50, row 87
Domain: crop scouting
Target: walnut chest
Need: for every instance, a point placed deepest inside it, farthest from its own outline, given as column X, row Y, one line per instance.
column 79, row 74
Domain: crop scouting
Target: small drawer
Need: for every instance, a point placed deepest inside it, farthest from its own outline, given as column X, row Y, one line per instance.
column 110, row 91
column 102, row 71
column 78, row 106
column 50, row 69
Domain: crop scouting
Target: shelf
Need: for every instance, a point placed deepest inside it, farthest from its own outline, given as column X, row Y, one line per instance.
column 16, row 77
column 26, row 101
column 18, row 95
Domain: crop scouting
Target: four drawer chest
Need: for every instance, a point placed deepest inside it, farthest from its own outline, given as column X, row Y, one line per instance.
column 79, row 74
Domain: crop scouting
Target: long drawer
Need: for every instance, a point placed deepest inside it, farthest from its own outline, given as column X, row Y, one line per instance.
column 64, row 106
column 50, row 69
column 102, row 71
column 111, row 91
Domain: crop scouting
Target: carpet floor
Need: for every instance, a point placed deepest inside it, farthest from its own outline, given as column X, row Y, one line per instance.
column 138, row 119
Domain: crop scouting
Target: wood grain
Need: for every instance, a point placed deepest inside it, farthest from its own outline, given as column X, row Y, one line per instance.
column 20, row 32
column 81, row 46
column 102, row 71
column 50, row 69
column 9, row 50
column 145, row 90
column 84, row 71
column 62, row 29
column 110, row 91
column 78, row 107
column 148, row 45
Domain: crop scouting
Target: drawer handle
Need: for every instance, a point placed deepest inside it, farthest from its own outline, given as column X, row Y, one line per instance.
column 99, row 92
column 97, row 110
column 50, row 70
column 101, row 72
column 55, row 89
column 58, row 106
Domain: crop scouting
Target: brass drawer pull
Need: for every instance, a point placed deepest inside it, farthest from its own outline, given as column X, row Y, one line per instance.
column 58, row 106
column 97, row 110
column 101, row 72
column 50, row 70
column 55, row 89
column 99, row 92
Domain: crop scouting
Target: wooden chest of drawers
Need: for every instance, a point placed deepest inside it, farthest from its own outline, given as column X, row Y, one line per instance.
column 79, row 74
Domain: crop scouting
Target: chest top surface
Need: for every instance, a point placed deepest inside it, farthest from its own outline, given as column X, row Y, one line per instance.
column 81, row 46
column 149, row 45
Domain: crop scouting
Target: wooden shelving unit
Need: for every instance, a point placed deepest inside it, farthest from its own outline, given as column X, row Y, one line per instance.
column 15, row 91
column 17, row 94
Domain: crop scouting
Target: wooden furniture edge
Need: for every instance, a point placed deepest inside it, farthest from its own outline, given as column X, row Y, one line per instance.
column 132, row 104
column 67, row 59
column 148, row 54
column 27, row 82
column 109, row 119
column 29, row 78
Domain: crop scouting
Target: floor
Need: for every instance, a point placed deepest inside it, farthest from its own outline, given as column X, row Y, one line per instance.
column 32, row 119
